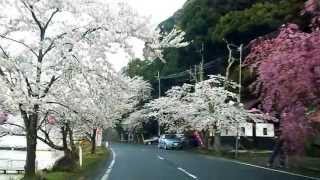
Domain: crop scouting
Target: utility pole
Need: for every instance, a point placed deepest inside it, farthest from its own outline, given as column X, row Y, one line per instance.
column 159, row 93
column 240, row 71
column 190, row 74
column 239, row 100
column 195, row 73
column 202, row 63
column 159, row 87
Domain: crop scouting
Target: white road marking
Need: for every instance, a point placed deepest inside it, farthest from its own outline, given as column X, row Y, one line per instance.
column 161, row 158
column 275, row 170
column 187, row 173
column 107, row 174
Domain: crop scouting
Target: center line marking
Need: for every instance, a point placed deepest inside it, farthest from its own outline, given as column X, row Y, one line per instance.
column 161, row 158
column 187, row 173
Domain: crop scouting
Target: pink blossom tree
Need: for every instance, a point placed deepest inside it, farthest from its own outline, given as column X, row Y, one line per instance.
column 288, row 70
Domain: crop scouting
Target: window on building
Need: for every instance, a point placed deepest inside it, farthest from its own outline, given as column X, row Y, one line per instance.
column 265, row 131
column 243, row 131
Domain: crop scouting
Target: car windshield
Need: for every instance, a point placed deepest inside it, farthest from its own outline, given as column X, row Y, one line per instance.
column 171, row 136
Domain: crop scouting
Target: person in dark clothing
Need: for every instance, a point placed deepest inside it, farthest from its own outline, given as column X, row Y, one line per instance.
column 278, row 151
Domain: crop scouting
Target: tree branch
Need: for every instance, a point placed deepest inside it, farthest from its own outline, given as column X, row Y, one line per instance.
column 63, row 105
column 19, row 42
column 49, row 142
column 51, row 46
column 43, row 120
column 35, row 17
column 4, row 76
column 29, row 87
column 53, row 79
column 24, row 116
column 4, row 52
column 51, row 17
column 16, row 125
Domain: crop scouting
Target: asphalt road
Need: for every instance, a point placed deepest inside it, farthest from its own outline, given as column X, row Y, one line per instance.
column 139, row 162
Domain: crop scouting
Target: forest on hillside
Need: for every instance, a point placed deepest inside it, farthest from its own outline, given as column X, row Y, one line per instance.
column 209, row 24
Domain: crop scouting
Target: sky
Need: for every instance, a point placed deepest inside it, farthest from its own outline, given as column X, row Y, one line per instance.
column 158, row 10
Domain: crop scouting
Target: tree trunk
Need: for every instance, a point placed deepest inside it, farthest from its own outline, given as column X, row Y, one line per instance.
column 217, row 142
column 71, row 142
column 66, row 150
column 142, row 138
column 204, row 138
column 64, row 141
column 30, row 167
column 68, row 162
column 93, row 141
column 31, row 123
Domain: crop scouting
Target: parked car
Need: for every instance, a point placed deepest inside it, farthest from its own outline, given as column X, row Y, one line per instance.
column 170, row 141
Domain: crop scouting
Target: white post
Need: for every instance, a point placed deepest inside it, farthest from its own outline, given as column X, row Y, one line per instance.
column 80, row 155
column 37, row 165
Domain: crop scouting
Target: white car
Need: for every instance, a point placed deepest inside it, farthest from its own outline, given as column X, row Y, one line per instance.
column 170, row 141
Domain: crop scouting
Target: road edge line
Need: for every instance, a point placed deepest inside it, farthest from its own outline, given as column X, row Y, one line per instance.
column 107, row 173
column 274, row 170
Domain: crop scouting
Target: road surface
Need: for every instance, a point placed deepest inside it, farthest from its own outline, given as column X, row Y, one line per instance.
column 139, row 162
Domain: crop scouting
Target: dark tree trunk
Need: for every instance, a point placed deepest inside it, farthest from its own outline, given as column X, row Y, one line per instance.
column 93, row 141
column 71, row 142
column 30, row 167
column 68, row 162
column 67, row 153
column 64, row 141
column 142, row 138
column 204, row 139
column 31, row 123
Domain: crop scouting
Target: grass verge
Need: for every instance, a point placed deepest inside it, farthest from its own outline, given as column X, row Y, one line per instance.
column 92, row 163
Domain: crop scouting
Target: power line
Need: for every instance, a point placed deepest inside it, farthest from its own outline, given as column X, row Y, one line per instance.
column 188, row 72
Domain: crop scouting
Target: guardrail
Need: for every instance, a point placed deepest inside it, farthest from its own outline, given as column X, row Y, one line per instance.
column 12, row 166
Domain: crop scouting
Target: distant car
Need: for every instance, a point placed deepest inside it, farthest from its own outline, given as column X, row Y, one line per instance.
column 170, row 141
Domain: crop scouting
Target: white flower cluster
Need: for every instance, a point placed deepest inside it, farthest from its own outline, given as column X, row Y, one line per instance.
column 206, row 105
column 54, row 59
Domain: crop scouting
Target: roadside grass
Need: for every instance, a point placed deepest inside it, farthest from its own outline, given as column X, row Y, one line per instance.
column 308, row 166
column 92, row 163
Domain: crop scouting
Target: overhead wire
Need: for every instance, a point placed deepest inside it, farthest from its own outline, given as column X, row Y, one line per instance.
column 189, row 71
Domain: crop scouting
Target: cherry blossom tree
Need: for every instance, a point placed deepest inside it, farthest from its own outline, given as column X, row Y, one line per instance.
column 288, row 69
column 138, row 92
column 203, row 107
column 45, row 42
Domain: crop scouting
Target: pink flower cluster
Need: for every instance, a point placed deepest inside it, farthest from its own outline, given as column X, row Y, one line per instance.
column 288, row 83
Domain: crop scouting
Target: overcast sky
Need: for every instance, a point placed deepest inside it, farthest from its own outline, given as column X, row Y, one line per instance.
column 159, row 10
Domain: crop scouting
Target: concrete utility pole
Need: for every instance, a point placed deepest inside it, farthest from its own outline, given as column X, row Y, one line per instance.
column 195, row 74
column 159, row 94
column 202, row 63
column 159, row 87
column 240, row 71
column 240, row 49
